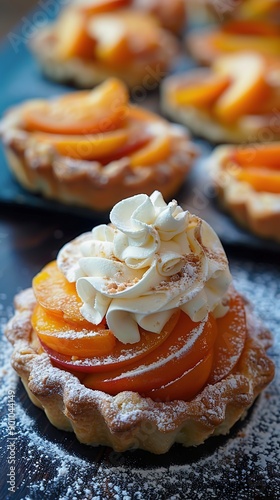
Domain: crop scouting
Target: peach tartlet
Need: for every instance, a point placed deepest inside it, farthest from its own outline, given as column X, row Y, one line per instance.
column 88, row 43
column 248, row 184
column 91, row 148
column 262, row 37
column 236, row 100
column 135, row 337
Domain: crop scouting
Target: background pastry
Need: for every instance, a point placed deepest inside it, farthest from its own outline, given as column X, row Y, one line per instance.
column 206, row 44
column 91, row 148
column 85, row 48
column 236, row 100
column 248, row 185
column 144, row 327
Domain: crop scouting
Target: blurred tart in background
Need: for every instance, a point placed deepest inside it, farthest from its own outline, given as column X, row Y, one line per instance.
column 89, row 43
column 206, row 44
column 92, row 148
column 247, row 179
column 236, row 100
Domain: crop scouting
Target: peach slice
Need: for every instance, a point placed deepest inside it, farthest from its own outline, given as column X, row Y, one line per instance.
column 202, row 93
column 80, row 43
column 70, row 339
column 99, row 110
column 91, row 7
column 57, row 296
column 257, row 8
column 157, row 149
column 247, row 88
column 251, row 28
column 260, row 155
column 261, row 179
column 112, row 42
column 231, row 338
column 87, row 147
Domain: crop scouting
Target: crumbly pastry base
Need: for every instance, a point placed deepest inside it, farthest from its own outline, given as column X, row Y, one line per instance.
column 204, row 125
column 128, row 420
column 38, row 168
column 145, row 72
column 257, row 211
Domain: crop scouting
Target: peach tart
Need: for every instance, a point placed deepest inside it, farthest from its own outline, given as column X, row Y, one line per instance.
column 91, row 148
column 236, row 100
column 263, row 37
column 248, row 185
column 88, row 43
column 135, row 336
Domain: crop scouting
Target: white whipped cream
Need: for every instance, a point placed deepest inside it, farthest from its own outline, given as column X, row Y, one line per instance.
column 152, row 260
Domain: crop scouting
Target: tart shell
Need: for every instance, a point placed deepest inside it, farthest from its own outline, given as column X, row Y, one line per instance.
column 40, row 169
column 129, row 421
column 257, row 211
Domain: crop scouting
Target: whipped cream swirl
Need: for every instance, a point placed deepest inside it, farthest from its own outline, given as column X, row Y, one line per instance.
column 152, row 260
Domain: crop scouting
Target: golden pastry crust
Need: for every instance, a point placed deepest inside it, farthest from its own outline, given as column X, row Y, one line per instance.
column 128, row 420
column 257, row 211
column 41, row 169
column 145, row 70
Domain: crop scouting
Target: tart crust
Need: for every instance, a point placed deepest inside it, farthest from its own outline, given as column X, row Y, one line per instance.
column 257, row 211
column 40, row 169
column 128, row 420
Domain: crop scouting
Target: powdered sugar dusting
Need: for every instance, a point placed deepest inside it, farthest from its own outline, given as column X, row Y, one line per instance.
column 243, row 465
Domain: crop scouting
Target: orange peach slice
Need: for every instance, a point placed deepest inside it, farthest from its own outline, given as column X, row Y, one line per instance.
column 247, row 89
column 112, row 42
column 99, row 6
column 157, row 149
column 203, row 93
column 260, row 155
column 70, row 339
column 261, row 179
column 100, row 110
column 80, row 43
column 256, row 8
column 57, row 296
column 87, row 147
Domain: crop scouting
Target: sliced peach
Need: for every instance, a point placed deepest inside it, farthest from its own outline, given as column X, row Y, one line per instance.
column 80, row 43
column 230, row 42
column 248, row 87
column 87, row 147
column 258, row 155
column 187, row 385
column 257, row 8
column 70, row 339
column 165, row 364
column 157, row 149
column 121, row 356
column 251, row 28
column 231, row 337
column 202, row 93
column 91, row 7
column 120, row 36
column 100, row 110
column 261, row 179
column 57, row 296
column 112, row 41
